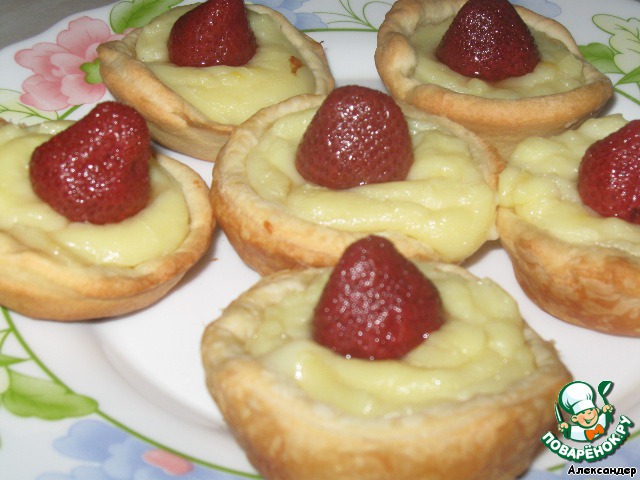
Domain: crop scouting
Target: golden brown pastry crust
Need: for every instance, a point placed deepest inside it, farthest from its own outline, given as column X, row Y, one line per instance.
column 269, row 239
column 287, row 435
column 504, row 123
column 590, row 286
column 37, row 285
column 172, row 121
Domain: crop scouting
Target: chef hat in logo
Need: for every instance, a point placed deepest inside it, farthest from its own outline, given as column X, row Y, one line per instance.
column 577, row 397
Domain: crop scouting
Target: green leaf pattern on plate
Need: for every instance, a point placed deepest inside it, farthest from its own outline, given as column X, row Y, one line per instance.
column 28, row 396
column 351, row 16
column 136, row 13
column 621, row 56
column 12, row 110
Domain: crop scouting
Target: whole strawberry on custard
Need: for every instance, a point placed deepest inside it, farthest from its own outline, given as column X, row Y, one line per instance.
column 216, row 32
column 376, row 303
column 609, row 174
column 97, row 170
column 487, row 39
column 358, row 136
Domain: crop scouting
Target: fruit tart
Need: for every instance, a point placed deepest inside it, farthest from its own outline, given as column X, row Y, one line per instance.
column 197, row 71
column 569, row 220
column 502, row 71
column 381, row 368
column 301, row 180
column 92, row 223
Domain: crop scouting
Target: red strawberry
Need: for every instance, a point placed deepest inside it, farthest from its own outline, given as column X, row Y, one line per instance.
column 97, row 170
column 376, row 304
column 489, row 40
column 357, row 136
column 609, row 174
column 216, row 32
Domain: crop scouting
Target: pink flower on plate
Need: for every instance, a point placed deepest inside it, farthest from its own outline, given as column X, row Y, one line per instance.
column 66, row 73
column 171, row 464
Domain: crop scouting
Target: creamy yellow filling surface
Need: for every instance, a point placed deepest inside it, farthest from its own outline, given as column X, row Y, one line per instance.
column 479, row 350
column 28, row 222
column 444, row 202
column 540, row 185
column 229, row 94
column 558, row 70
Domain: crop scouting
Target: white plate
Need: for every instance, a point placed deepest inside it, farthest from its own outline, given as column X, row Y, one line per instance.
column 125, row 399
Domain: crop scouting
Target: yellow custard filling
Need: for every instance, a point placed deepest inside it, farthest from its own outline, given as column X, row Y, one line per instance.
column 540, row 185
column 28, row 222
column 229, row 94
column 444, row 194
column 558, row 70
column 480, row 349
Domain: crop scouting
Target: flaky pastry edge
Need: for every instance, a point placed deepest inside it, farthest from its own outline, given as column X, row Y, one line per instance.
column 287, row 435
column 174, row 122
column 502, row 122
column 269, row 239
column 594, row 287
column 40, row 286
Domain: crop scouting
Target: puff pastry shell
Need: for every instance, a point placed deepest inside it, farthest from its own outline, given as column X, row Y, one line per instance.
column 504, row 123
column 173, row 122
column 268, row 238
column 39, row 285
column 591, row 286
column 287, row 435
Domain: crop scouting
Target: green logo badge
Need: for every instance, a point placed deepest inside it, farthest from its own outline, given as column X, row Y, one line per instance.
column 581, row 420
